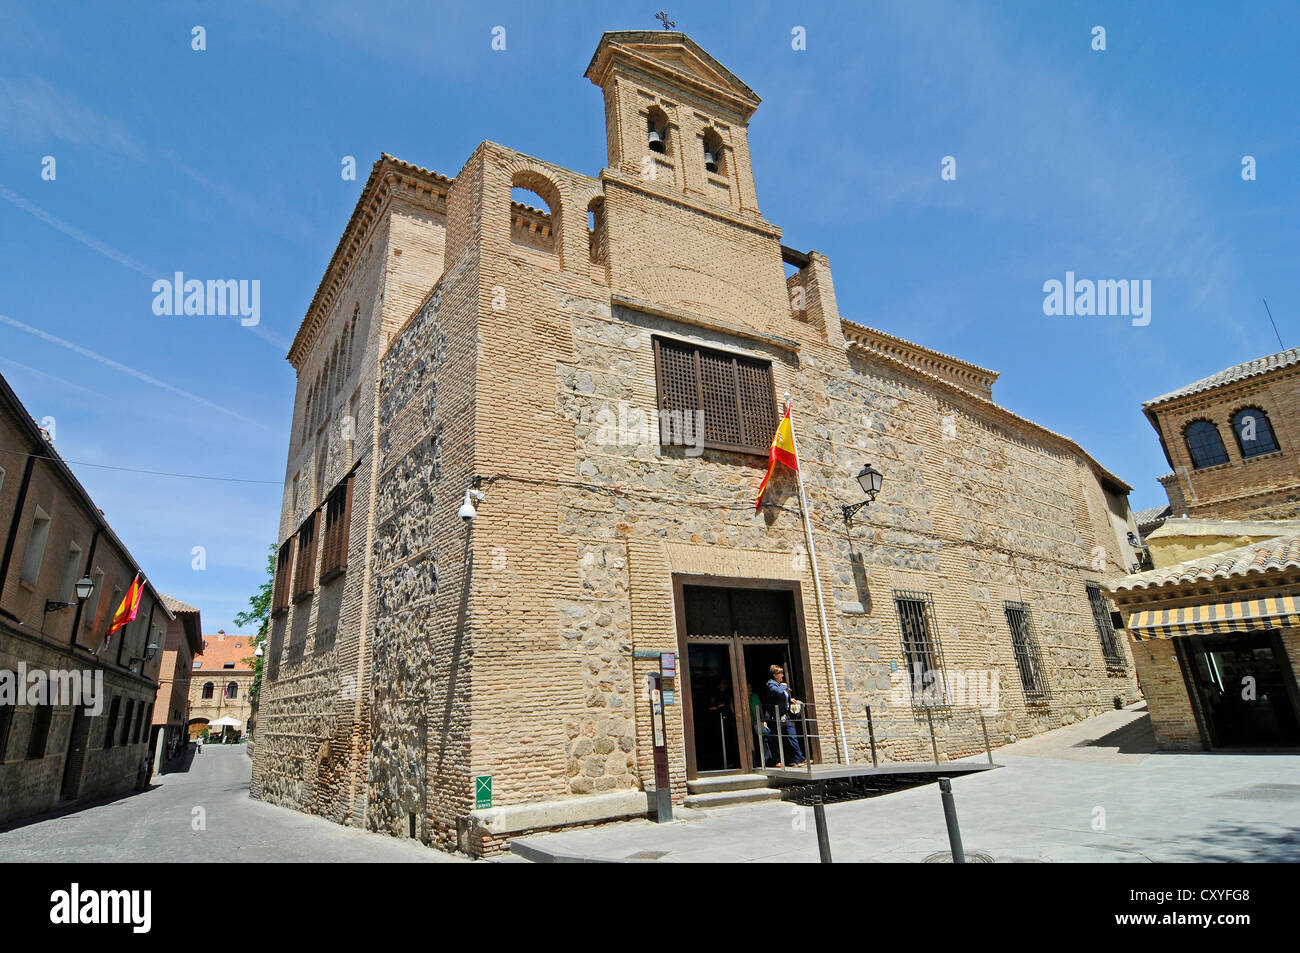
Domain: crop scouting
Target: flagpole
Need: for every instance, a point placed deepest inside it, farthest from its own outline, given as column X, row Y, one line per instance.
column 817, row 589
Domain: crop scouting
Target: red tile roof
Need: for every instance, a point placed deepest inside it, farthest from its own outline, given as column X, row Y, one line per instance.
column 222, row 648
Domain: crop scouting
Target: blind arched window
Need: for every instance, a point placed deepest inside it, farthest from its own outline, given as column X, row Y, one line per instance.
column 1204, row 444
column 1254, row 432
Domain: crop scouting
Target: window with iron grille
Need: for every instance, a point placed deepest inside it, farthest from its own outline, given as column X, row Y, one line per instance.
column 280, row 590
column 6, row 720
column 1029, row 662
column 113, row 709
column 1204, row 444
column 338, row 514
column 731, row 395
column 921, row 648
column 1105, row 631
column 304, row 577
column 1254, row 432
column 40, row 732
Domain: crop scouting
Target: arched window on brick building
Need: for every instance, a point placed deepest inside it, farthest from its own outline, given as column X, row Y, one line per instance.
column 1204, row 444
column 208, row 689
column 1254, row 432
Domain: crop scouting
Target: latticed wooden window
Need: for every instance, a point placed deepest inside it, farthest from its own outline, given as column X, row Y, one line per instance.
column 1105, row 631
column 921, row 648
column 304, row 577
column 734, row 395
column 1025, row 644
column 338, row 514
column 280, row 590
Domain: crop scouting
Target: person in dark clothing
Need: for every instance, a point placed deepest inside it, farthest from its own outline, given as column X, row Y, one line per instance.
column 777, row 702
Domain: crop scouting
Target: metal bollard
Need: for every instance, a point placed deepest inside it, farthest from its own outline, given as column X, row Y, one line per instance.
column 819, row 818
column 950, row 817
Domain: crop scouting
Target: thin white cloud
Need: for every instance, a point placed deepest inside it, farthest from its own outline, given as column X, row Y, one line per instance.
column 139, row 375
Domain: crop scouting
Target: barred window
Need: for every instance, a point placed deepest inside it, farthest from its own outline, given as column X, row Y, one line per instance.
column 304, row 577
column 280, row 590
column 126, row 722
column 1105, row 631
column 1025, row 644
column 6, row 720
column 921, row 649
column 1254, row 432
column 40, row 732
column 1204, row 444
column 338, row 514
column 113, row 709
column 731, row 396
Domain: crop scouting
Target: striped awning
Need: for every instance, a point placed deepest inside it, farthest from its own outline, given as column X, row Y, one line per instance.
column 1215, row 617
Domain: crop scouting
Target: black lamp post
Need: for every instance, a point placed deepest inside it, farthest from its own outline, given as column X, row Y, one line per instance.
column 84, row 588
column 870, row 479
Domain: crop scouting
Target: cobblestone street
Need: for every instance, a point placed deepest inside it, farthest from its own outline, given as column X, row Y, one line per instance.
column 158, row 825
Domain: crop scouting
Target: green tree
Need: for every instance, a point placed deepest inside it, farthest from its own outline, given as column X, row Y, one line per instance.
column 259, row 614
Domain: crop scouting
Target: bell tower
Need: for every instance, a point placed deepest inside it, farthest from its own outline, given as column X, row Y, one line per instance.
column 676, row 118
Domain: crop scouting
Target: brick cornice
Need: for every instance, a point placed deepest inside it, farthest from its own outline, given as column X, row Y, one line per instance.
column 386, row 175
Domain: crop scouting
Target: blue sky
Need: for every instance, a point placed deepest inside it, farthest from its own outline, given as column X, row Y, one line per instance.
column 1122, row 164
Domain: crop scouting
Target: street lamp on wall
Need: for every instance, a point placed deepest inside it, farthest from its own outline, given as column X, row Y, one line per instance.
column 84, row 587
column 870, row 479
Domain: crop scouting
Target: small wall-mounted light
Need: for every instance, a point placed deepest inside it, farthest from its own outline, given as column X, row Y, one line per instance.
column 83, row 588
column 870, row 479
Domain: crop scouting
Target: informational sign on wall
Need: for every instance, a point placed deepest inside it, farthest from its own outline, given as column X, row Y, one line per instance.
column 483, row 791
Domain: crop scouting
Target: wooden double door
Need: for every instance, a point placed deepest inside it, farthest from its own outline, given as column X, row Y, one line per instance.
column 730, row 633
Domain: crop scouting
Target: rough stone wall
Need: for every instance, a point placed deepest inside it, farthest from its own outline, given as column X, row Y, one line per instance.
column 314, row 732
column 1260, row 487
column 32, row 786
column 420, row 633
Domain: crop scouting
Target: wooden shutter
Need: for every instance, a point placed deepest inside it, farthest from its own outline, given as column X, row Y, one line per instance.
column 735, row 394
column 338, row 516
column 280, row 590
column 305, row 576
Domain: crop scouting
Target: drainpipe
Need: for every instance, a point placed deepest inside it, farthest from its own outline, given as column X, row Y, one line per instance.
column 81, row 603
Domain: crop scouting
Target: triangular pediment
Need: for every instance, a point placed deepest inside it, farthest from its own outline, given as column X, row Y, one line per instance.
column 674, row 55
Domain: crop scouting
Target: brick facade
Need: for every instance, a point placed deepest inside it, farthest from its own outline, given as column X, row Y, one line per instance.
column 512, row 349
column 1263, row 486
column 74, row 757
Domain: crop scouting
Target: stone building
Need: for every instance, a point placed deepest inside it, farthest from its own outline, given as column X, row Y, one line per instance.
column 220, row 682
column 1231, row 440
column 598, row 370
column 53, row 750
column 171, row 713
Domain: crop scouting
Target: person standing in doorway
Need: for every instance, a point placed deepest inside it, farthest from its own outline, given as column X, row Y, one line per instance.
column 778, row 701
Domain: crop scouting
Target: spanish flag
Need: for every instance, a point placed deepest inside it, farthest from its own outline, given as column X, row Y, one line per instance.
column 782, row 452
column 126, row 611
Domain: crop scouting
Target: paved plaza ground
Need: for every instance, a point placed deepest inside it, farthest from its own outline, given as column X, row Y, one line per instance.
column 1095, row 791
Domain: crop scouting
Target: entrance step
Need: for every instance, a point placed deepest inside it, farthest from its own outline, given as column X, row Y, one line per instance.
column 728, row 798
column 726, row 782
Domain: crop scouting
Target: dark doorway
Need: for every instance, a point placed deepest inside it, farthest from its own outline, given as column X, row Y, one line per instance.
column 1245, row 688
column 713, row 707
column 730, row 633
column 75, row 761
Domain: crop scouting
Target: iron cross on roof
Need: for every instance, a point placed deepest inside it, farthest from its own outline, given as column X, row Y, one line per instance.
column 668, row 24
